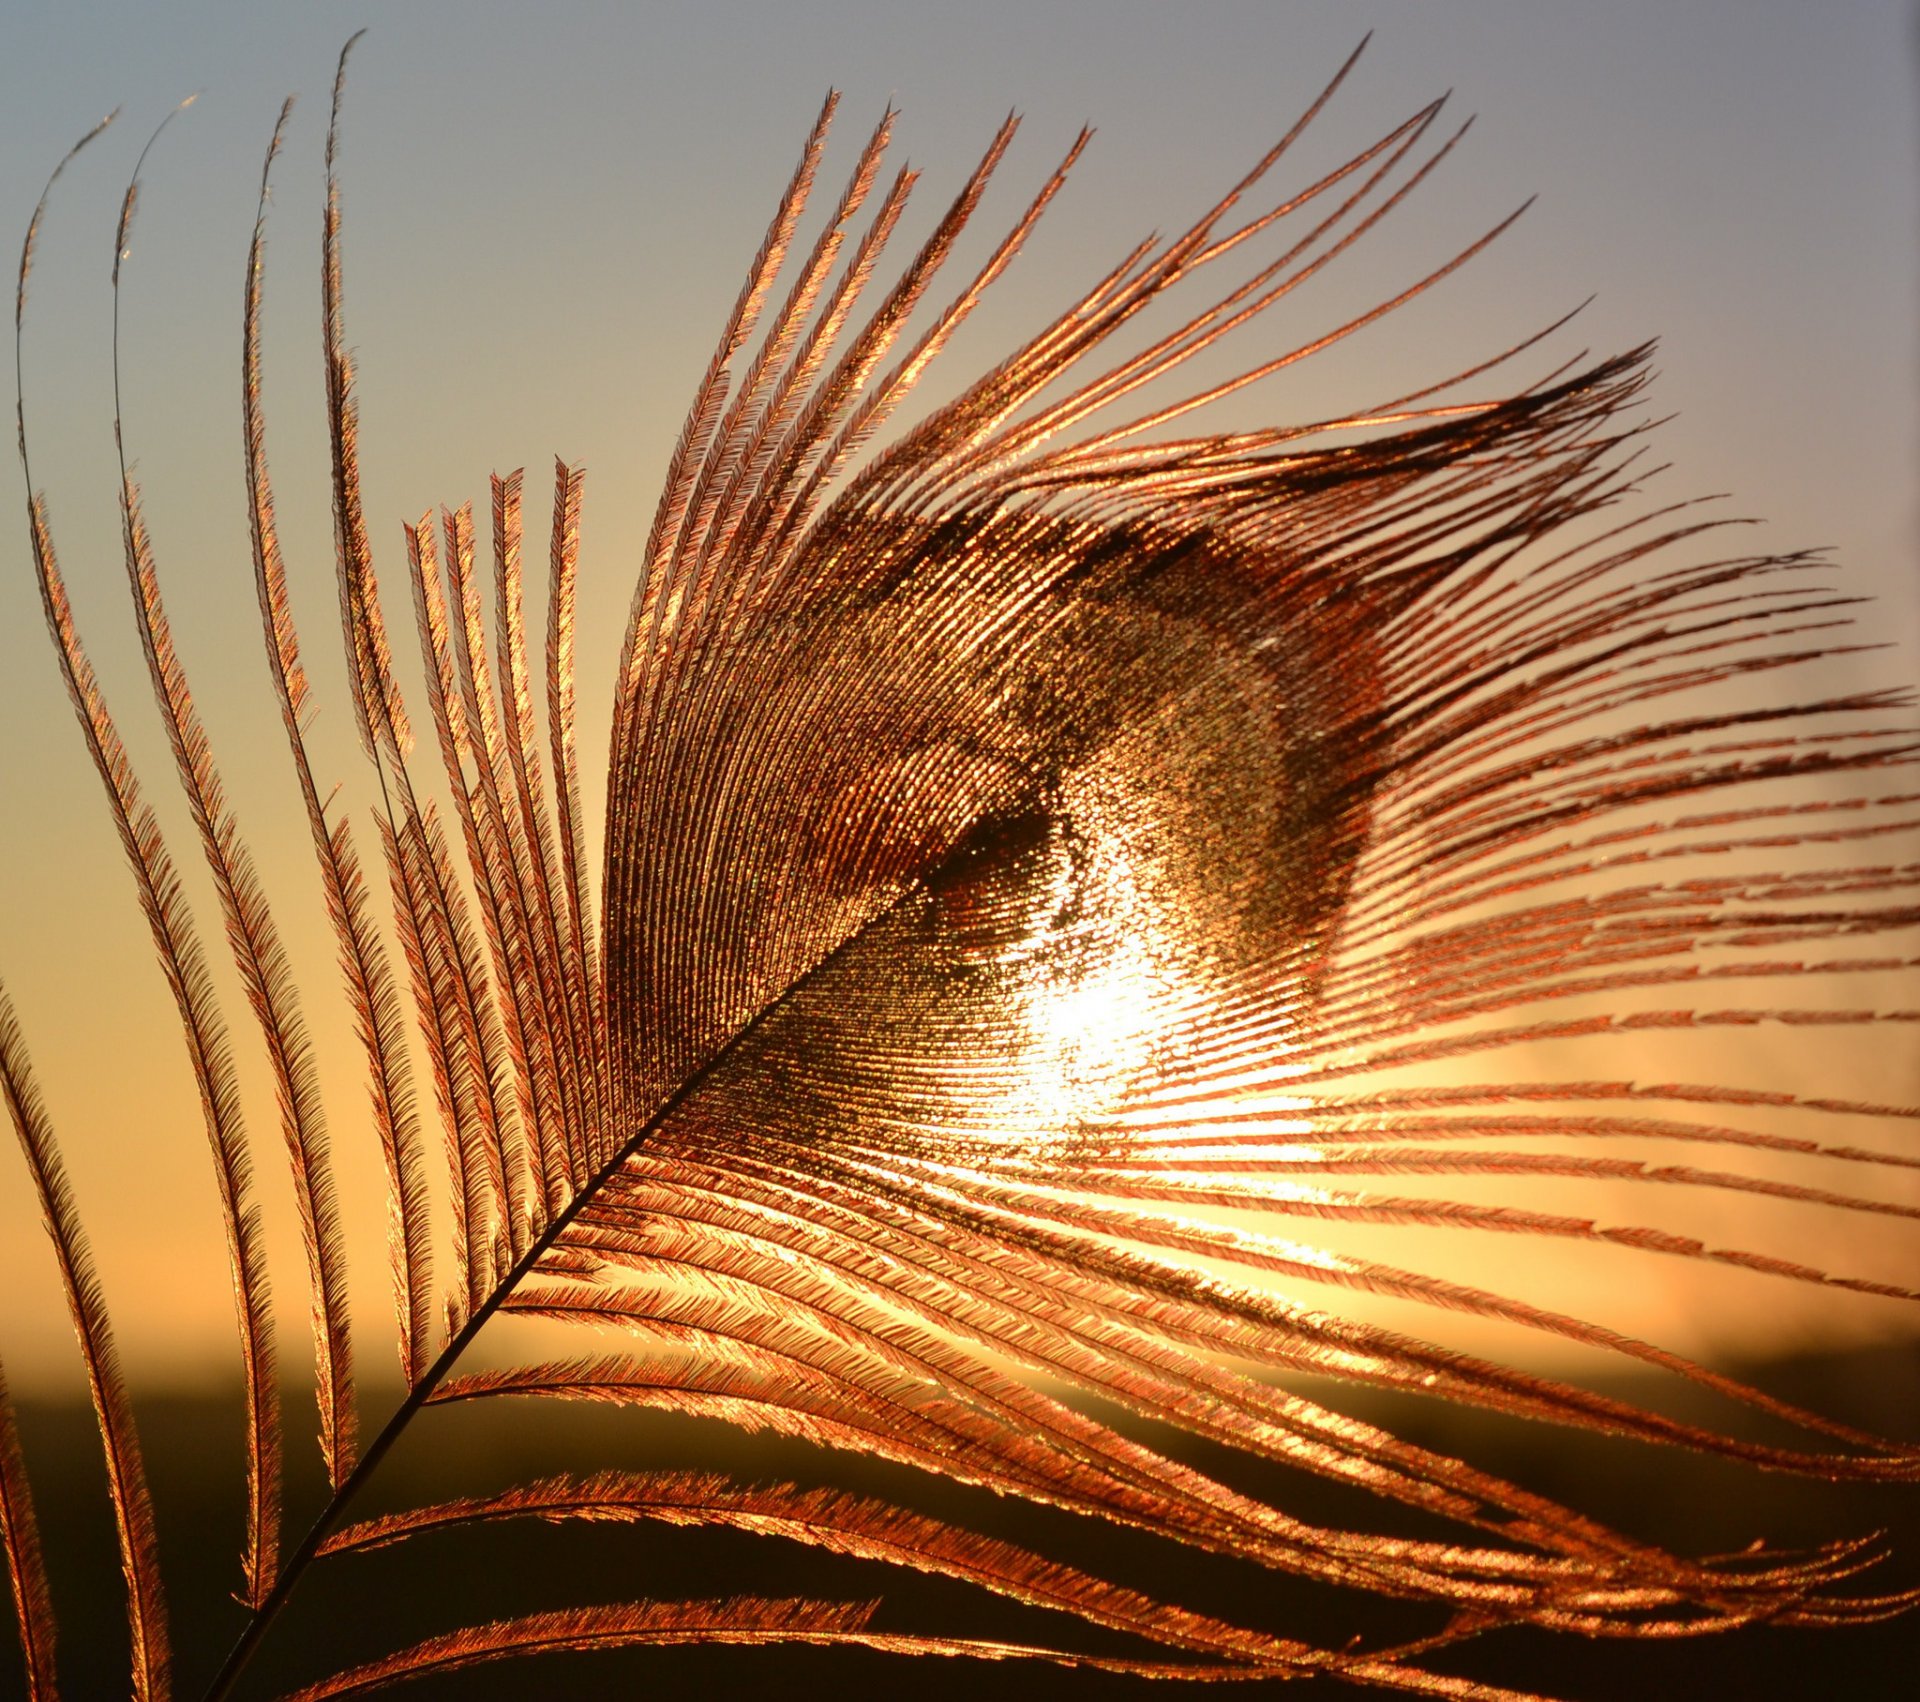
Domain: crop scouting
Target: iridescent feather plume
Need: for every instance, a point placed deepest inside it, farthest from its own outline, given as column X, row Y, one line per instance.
column 1055, row 869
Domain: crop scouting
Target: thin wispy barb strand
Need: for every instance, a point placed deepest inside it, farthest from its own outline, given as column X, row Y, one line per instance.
column 1053, row 865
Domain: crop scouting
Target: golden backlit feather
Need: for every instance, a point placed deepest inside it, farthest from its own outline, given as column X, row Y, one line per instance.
column 26, row 1567
column 126, row 1472
column 1055, row 873
column 253, row 939
column 363, row 959
column 176, row 943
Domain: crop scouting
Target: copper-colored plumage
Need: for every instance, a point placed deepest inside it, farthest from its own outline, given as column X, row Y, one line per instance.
column 176, row 943
column 1038, row 847
column 362, row 955
column 257, row 953
column 26, row 1569
column 126, row 1473
column 453, row 729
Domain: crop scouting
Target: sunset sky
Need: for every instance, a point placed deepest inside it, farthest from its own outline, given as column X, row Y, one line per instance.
column 549, row 209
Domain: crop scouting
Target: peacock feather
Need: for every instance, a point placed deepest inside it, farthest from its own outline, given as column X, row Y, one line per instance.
column 1060, row 874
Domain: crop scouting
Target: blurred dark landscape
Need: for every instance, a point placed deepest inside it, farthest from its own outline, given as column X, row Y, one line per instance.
column 359, row 1607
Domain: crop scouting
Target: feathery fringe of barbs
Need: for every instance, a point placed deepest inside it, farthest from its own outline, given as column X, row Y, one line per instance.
column 252, row 937
column 176, row 942
column 760, row 1621
column 458, row 1019
column 468, row 727
column 862, row 1528
column 126, row 1475
column 506, row 984
column 26, row 1567
column 377, row 1011
column 843, row 1314
column 1074, row 1241
column 838, row 1522
column 1049, row 1296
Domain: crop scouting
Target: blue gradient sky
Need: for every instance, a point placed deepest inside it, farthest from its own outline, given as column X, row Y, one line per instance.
column 549, row 208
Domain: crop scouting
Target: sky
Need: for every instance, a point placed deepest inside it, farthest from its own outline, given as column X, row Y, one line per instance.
column 549, row 209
